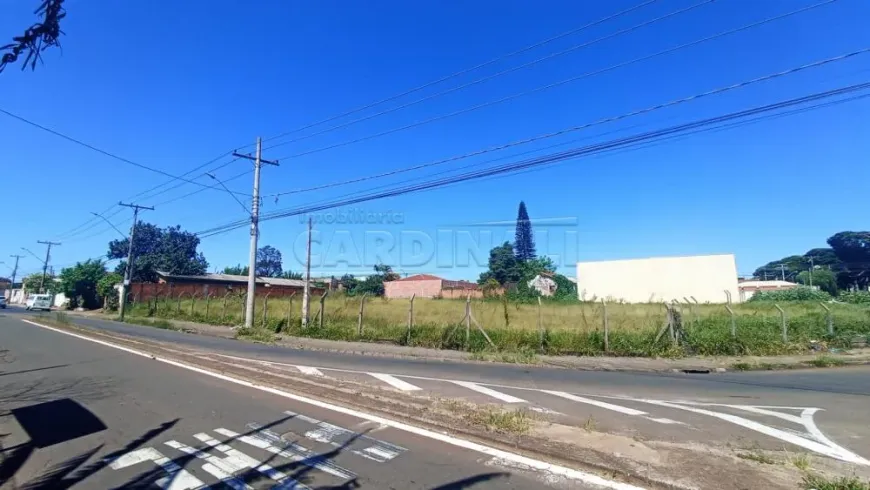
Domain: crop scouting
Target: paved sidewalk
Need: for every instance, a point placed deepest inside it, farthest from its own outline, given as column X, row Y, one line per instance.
column 589, row 363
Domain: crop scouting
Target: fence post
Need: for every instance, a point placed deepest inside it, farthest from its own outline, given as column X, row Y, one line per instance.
column 359, row 322
column 323, row 306
column 207, row 305
column 192, row 305
column 728, row 296
column 266, row 308
column 290, row 308
column 410, row 318
column 467, row 321
column 606, row 326
column 784, row 324
column 733, row 322
column 224, row 311
column 244, row 298
column 828, row 319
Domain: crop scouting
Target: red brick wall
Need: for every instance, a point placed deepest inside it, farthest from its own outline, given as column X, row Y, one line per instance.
column 143, row 291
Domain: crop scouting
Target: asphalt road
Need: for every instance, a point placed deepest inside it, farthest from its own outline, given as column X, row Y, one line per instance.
column 820, row 406
column 79, row 414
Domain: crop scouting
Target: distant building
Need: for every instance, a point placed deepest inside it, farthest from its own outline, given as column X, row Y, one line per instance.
column 704, row 278
column 544, row 284
column 750, row 287
column 429, row 286
column 218, row 285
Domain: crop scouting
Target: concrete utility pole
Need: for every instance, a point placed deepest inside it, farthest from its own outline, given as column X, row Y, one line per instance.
column 782, row 268
column 128, row 271
column 306, row 296
column 45, row 263
column 812, row 266
column 255, row 230
column 14, row 273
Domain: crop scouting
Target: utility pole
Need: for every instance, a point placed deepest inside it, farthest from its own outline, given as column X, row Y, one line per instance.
column 255, row 229
column 14, row 273
column 782, row 268
column 45, row 264
column 306, row 296
column 128, row 271
column 812, row 266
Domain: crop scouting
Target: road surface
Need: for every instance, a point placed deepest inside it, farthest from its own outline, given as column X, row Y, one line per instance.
column 80, row 414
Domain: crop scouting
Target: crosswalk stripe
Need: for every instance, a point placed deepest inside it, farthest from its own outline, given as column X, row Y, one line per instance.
column 312, row 371
column 597, row 403
column 394, row 382
column 489, row 391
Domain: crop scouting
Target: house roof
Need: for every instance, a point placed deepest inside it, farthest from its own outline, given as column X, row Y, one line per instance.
column 766, row 284
column 271, row 281
column 421, row 277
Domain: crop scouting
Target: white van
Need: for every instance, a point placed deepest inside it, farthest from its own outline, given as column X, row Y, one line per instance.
column 38, row 302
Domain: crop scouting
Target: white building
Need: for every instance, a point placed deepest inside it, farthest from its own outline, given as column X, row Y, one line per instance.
column 704, row 278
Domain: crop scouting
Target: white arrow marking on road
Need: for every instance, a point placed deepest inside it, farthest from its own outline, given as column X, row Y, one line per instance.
column 311, row 371
column 394, row 382
column 489, row 391
column 827, row 447
column 176, row 477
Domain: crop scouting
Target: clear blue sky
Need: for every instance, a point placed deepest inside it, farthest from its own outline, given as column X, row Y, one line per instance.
column 174, row 84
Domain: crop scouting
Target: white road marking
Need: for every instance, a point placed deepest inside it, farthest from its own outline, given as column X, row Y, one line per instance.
column 532, row 463
column 219, row 468
column 597, row 403
column 293, row 452
column 238, row 458
column 826, row 448
column 176, row 477
column 545, row 410
column 338, row 436
column 663, row 420
column 311, row 371
column 394, row 382
column 488, row 391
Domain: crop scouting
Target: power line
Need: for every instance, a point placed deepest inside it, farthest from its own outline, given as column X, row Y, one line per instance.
column 106, row 153
column 460, row 73
column 587, row 125
column 555, row 84
column 515, row 68
column 554, row 158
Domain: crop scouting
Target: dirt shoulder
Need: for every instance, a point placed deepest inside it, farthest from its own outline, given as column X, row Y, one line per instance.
column 588, row 363
column 643, row 462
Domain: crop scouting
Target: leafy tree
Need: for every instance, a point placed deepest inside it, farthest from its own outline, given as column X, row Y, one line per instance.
column 79, row 283
column 823, row 256
column 536, row 266
column 169, row 249
column 773, row 270
column 269, row 262
column 31, row 283
column 349, row 283
column 826, row 280
column 524, row 240
column 288, row 274
column 503, row 266
column 37, row 38
column 853, row 250
column 800, row 293
column 236, row 270
column 373, row 285
column 106, row 290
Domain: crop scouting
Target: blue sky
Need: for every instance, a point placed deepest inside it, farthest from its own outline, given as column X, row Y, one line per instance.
column 175, row 84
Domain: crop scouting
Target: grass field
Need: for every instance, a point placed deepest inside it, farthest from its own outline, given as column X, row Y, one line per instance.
column 567, row 329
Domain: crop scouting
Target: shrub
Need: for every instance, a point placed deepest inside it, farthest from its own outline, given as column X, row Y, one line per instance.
column 855, row 297
column 795, row 294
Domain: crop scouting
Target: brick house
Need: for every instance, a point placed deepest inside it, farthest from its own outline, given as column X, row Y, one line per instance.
column 218, row 285
column 429, row 286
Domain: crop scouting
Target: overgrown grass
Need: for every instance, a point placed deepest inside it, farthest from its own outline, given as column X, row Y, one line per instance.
column 568, row 329
column 818, row 482
column 824, row 361
column 757, row 456
column 256, row 334
column 149, row 322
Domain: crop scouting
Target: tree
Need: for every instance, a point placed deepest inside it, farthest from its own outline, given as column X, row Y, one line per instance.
column 826, row 280
column 823, row 256
column 169, row 249
column 236, row 270
column 79, row 283
column 373, row 285
column 773, row 270
column 503, row 266
column 37, row 38
column 31, row 283
column 268, row 262
column 853, row 250
column 288, row 274
column 349, row 283
column 524, row 245
column 106, row 290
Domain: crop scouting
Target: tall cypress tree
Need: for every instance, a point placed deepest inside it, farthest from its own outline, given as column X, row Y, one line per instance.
column 524, row 243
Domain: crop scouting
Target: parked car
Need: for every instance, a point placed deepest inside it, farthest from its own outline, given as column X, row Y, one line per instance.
column 3, row 302
column 38, row 302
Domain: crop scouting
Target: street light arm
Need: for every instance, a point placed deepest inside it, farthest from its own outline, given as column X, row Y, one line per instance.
column 124, row 235
column 247, row 211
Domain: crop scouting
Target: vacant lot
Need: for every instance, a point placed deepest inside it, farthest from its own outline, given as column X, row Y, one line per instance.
column 552, row 328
